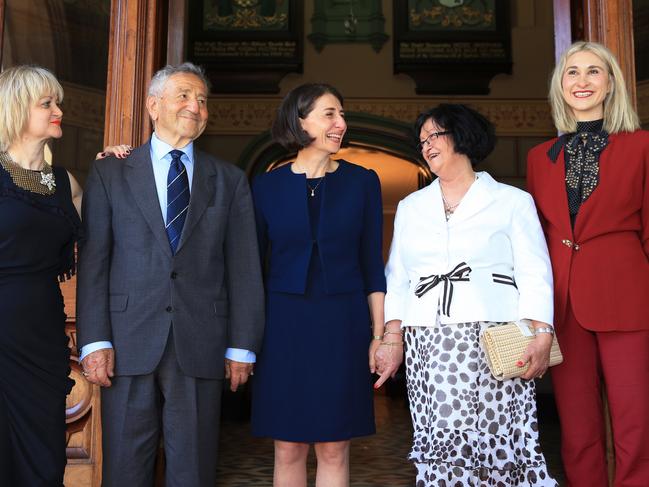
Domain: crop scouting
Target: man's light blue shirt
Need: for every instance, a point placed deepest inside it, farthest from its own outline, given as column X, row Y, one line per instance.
column 161, row 160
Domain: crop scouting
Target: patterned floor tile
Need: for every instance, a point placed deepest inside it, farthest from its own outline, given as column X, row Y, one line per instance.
column 376, row 461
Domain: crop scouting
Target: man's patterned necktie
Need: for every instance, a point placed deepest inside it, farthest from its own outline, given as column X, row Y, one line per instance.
column 177, row 199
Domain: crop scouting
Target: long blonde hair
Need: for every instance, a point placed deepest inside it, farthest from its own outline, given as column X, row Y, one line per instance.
column 619, row 114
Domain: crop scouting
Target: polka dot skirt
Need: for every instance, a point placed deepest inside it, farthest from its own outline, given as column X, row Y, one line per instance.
column 469, row 428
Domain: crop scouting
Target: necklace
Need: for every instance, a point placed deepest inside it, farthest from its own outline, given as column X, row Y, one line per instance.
column 313, row 188
column 41, row 181
column 449, row 209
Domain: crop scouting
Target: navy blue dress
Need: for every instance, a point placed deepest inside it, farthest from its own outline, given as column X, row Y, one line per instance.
column 312, row 381
column 37, row 237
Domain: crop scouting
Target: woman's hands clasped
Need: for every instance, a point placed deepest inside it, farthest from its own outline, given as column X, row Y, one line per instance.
column 386, row 354
column 537, row 354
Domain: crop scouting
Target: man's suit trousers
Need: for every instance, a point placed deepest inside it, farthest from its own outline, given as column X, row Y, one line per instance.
column 137, row 409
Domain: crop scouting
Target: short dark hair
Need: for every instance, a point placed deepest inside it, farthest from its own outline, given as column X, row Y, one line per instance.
column 473, row 135
column 297, row 104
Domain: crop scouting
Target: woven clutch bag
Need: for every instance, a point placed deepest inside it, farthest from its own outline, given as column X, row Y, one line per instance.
column 505, row 344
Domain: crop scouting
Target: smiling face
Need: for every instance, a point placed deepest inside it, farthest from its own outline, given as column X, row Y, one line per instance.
column 438, row 151
column 326, row 124
column 585, row 84
column 179, row 113
column 44, row 120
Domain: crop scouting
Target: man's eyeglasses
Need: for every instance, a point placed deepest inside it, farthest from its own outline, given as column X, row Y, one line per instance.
column 428, row 140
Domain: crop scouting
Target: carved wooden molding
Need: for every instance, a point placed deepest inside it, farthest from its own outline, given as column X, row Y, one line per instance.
column 82, row 411
column 252, row 115
column 239, row 115
column 83, row 423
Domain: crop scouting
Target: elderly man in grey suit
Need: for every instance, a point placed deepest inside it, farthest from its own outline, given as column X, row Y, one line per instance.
column 169, row 287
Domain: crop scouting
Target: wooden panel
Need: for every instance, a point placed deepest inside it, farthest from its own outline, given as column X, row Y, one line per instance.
column 562, row 27
column 610, row 22
column 643, row 101
column 136, row 31
column 83, row 432
column 3, row 5
column 177, row 29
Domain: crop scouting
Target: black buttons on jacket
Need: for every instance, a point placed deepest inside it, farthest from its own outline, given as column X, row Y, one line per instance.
column 174, row 275
column 169, row 309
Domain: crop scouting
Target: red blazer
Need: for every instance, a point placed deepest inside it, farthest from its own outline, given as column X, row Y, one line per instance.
column 603, row 267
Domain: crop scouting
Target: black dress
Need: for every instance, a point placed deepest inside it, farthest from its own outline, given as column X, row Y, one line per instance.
column 37, row 235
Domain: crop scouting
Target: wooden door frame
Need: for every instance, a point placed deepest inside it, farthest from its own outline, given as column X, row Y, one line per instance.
column 135, row 53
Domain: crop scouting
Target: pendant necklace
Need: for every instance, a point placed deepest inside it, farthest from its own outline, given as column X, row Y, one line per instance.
column 306, row 175
column 448, row 208
column 313, row 188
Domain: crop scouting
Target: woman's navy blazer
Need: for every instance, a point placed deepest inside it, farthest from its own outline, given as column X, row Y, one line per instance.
column 349, row 236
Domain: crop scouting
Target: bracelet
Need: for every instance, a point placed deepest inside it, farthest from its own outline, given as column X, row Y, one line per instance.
column 393, row 333
column 377, row 337
column 391, row 344
column 549, row 330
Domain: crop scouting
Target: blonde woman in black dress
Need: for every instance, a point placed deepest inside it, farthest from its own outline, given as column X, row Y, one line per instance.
column 39, row 223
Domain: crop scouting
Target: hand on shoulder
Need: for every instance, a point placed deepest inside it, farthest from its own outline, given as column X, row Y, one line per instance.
column 121, row 151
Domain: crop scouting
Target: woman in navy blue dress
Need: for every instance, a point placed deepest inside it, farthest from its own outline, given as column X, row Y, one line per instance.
column 319, row 223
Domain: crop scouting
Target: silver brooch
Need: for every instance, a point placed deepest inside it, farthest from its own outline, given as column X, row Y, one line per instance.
column 48, row 180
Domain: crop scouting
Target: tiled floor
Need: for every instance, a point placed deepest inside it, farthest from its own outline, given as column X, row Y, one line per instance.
column 376, row 461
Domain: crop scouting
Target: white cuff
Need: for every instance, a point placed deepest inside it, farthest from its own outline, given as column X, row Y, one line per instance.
column 240, row 355
column 93, row 347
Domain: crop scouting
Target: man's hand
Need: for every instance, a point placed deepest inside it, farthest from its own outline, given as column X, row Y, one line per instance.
column 237, row 372
column 98, row 366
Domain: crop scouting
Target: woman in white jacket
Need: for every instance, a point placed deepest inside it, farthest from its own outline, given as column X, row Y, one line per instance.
column 468, row 252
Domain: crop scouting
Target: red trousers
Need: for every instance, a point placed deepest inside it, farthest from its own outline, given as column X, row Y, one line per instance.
column 621, row 360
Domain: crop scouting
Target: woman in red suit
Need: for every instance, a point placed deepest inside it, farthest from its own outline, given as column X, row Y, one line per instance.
column 591, row 187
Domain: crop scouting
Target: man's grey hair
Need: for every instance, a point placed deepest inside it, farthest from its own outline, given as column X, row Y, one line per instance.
column 160, row 78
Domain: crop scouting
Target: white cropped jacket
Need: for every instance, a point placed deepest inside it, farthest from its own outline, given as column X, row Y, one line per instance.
column 489, row 262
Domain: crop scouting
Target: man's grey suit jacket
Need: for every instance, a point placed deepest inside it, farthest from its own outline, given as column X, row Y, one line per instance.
column 132, row 290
